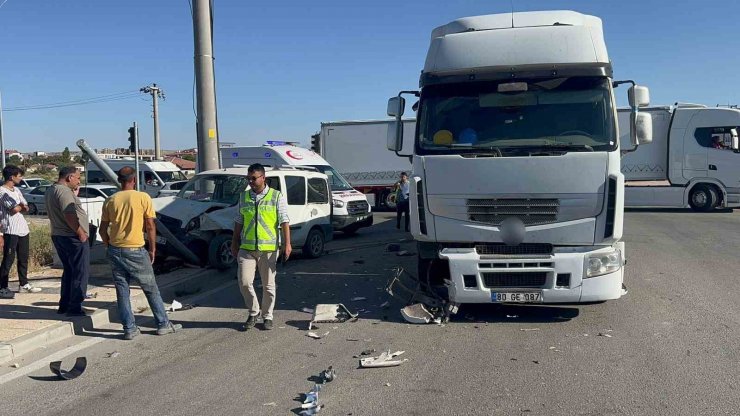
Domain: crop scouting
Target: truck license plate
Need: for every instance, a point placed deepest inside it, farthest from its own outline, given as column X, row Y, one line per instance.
column 161, row 240
column 517, row 297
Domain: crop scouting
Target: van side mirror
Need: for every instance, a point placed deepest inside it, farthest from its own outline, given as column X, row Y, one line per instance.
column 638, row 96
column 735, row 144
column 642, row 129
column 396, row 106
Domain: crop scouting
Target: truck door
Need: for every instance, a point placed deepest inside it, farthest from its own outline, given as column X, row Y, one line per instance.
column 723, row 163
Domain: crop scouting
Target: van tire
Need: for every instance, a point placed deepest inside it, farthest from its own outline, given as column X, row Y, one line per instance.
column 219, row 252
column 314, row 245
column 703, row 198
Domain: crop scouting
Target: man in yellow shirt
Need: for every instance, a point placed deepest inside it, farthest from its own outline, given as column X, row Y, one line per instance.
column 126, row 215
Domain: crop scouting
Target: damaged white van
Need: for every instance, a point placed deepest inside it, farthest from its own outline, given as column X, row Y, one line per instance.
column 202, row 215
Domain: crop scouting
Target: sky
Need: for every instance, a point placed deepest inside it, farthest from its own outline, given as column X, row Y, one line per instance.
column 283, row 67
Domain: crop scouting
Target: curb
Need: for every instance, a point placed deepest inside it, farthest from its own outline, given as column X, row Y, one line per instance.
column 60, row 331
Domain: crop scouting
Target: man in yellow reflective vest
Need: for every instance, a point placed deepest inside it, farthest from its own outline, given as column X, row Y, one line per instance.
column 263, row 212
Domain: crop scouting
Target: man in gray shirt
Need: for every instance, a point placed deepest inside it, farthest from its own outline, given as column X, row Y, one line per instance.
column 69, row 233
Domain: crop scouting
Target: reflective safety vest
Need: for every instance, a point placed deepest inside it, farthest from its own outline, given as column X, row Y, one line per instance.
column 260, row 229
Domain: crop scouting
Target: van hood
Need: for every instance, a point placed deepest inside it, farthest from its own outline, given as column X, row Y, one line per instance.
column 182, row 209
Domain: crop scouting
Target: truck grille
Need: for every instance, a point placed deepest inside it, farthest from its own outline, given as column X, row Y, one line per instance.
column 522, row 250
column 513, row 279
column 357, row 207
column 529, row 211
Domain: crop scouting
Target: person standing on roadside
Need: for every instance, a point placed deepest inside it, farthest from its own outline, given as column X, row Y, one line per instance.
column 402, row 200
column 263, row 213
column 16, row 232
column 126, row 214
column 69, row 233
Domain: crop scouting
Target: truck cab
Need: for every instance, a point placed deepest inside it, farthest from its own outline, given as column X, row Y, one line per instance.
column 517, row 194
column 350, row 208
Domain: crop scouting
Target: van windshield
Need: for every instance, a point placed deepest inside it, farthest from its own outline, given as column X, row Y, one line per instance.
column 336, row 181
column 223, row 189
column 172, row 176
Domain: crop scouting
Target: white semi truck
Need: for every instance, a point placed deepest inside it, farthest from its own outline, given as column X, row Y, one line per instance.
column 517, row 193
column 356, row 149
column 692, row 161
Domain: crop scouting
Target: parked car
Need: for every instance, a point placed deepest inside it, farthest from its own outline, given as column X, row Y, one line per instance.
column 202, row 215
column 28, row 184
column 35, row 197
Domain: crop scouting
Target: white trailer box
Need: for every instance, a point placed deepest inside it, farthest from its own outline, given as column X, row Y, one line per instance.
column 648, row 163
column 357, row 150
column 350, row 209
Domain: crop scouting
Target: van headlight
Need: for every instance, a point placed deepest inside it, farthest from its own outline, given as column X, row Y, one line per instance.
column 337, row 203
column 603, row 263
column 192, row 224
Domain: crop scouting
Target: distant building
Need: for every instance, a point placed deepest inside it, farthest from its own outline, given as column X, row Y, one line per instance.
column 10, row 153
column 186, row 166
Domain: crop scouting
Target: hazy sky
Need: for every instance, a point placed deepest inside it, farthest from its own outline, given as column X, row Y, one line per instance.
column 283, row 67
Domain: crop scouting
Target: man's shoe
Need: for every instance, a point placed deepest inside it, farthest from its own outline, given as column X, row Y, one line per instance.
column 169, row 329
column 250, row 322
column 128, row 336
column 6, row 293
column 267, row 325
column 29, row 288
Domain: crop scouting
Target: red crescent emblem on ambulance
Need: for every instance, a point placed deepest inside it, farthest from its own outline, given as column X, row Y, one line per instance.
column 294, row 155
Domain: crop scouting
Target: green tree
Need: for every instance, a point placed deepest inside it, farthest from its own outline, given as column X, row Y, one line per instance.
column 15, row 160
column 66, row 155
column 189, row 157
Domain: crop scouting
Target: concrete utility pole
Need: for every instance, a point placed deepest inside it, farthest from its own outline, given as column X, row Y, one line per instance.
column 2, row 141
column 207, row 129
column 155, row 92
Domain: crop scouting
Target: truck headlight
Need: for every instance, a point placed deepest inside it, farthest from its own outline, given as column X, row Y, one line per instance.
column 337, row 203
column 603, row 263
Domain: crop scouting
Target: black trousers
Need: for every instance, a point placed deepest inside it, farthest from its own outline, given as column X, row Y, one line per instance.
column 402, row 208
column 75, row 257
column 15, row 245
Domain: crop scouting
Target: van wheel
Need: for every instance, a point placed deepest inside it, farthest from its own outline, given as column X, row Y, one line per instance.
column 314, row 245
column 32, row 209
column 703, row 198
column 219, row 252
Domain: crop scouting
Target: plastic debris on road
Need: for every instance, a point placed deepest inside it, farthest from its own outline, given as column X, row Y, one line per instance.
column 330, row 313
column 385, row 359
column 76, row 371
column 417, row 314
column 113, row 354
column 601, row 334
column 529, row 329
column 269, row 404
column 313, row 335
column 175, row 306
column 328, row 375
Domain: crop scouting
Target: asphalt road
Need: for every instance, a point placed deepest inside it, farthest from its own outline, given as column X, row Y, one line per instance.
column 670, row 347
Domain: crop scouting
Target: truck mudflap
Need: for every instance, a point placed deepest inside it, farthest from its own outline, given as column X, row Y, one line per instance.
column 557, row 278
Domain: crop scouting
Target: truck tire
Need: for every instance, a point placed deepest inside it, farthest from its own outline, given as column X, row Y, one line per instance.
column 219, row 252
column 703, row 198
column 314, row 245
column 387, row 200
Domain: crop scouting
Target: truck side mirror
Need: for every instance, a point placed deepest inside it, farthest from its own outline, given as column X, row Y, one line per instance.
column 638, row 96
column 395, row 135
column 396, row 106
column 643, row 129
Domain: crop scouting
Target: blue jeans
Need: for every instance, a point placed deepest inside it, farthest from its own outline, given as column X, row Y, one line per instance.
column 134, row 263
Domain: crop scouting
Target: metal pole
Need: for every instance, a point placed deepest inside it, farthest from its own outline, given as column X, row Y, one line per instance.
column 2, row 141
column 207, row 130
column 136, row 155
column 155, row 94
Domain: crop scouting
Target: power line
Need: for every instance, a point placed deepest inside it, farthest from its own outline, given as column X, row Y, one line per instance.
column 94, row 100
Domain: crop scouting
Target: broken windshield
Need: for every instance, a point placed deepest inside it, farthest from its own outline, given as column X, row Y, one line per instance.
column 565, row 114
column 222, row 189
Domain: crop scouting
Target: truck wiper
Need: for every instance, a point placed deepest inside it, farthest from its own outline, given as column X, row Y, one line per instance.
column 566, row 146
column 484, row 151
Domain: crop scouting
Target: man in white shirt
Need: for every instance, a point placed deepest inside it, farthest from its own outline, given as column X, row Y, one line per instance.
column 16, row 232
column 402, row 200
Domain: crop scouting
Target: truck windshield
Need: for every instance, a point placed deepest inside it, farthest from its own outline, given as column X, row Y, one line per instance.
column 172, row 176
column 555, row 114
column 223, row 189
column 336, row 181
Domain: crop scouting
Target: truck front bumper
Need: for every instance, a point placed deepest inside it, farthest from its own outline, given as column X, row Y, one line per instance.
column 341, row 222
column 557, row 278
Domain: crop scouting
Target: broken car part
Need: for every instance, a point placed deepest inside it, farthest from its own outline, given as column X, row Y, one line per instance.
column 330, row 313
column 76, row 371
column 383, row 360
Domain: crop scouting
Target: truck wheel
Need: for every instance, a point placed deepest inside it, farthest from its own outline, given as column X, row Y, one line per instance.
column 703, row 198
column 32, row 209
column 389, row 200
column 314, row 245
column 219, row 252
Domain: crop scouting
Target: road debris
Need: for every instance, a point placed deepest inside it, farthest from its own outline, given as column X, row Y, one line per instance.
column 330, row 313
column 529, row 329
column 312, row 411
column 313, row 335
column 91, row 295
column 76, row 371
column 175, row 305
column 113, row 354
column 383, row 360
column 602, row 334
column 387, row 384
column 328, row 375
column 269, row 404
column 353, row 339
column 416, row 314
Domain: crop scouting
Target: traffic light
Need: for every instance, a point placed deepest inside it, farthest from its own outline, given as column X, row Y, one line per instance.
column 132, row 140
column 316, row 143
